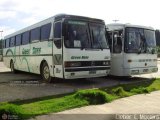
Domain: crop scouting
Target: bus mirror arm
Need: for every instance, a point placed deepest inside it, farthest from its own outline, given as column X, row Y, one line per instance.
column 139, row 51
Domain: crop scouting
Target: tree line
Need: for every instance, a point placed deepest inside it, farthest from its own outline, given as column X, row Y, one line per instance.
column 0, row 44
column 157, row 33
column 0, row 47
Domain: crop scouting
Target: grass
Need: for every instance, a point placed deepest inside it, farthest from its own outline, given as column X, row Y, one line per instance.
column 94, row 96
column 31, row 108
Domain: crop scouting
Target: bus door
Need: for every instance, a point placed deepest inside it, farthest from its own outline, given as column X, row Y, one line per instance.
column 57, row 50
column 116, row 52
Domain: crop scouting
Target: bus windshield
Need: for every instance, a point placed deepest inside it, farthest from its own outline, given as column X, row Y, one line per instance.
column 139, row 40
column 80, row 34
column 77, row 34
column 98, row 36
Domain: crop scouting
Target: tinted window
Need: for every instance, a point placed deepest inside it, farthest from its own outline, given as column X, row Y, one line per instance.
column 76, row 34
column 135, row 40
column 7, row 43
column 12, row 41
column 45, row 31
column 35, row 34
column 57, row 30
column 25, row 38
column 117, row 42
column 150, row 38
column 98, row 36
column 18, row 40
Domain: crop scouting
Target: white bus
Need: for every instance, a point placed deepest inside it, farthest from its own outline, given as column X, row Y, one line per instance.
column 63, row 46
column 133, row 49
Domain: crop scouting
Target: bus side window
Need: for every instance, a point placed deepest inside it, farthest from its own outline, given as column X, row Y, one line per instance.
column 57, row 34
column 45, row 32
column 12, row 42
column 117, row 42
column 18, row 40
column 7, row 43
column 35, row 34
column 25, row 38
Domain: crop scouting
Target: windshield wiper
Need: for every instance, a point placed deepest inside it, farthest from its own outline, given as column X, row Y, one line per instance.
column 142, row 44
column 139, row 50
column 99, row 41
column 100, row 47
column 82, row 47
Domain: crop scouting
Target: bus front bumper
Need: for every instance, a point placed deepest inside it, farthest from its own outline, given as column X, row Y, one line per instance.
column 86, row 73
column 138, row 71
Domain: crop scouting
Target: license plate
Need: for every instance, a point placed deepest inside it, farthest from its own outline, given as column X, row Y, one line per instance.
column 92, row 72
column 145, row 70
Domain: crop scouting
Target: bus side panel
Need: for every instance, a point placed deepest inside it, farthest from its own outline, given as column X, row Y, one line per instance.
column 116, row 64
column 41, row 51
column 24, row 62
column 32, row 55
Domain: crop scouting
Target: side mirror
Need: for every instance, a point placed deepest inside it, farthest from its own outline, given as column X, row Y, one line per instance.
column 57, row 42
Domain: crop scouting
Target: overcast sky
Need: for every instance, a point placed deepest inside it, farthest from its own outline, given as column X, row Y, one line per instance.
column 17, row 14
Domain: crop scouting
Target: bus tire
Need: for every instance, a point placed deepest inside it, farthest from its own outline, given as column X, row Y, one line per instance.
column 12, row 67
column 45, row 73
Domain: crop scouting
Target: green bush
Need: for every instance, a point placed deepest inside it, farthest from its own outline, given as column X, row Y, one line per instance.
column 158, row 49
column 11, row 109
column 94, row 96
column 140, row 90
column 119, row 91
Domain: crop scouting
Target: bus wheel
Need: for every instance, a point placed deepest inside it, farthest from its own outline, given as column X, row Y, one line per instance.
column 12, row 67
column 45, row 72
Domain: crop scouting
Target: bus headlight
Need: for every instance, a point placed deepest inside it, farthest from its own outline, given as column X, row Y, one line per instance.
column 154, row 69
column 72, row 64
column 106, row 63
column 155, row 60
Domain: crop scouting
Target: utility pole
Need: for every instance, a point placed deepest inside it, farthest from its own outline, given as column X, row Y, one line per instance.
column 1, row 51
column 1, row 31
column 115, row 21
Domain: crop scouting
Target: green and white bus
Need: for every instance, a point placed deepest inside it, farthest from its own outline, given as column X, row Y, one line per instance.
column 63, row 46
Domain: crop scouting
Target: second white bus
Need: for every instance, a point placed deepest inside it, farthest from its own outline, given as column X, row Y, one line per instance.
column 133, row 49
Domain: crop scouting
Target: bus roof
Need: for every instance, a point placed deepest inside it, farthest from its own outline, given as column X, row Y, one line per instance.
column 51, row 19
column 121, row 26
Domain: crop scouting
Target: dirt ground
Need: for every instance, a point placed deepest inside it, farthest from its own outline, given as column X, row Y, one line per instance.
column 27, row 86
